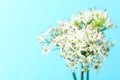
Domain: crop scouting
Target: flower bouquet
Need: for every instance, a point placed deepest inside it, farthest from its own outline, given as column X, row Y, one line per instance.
column 81, row 40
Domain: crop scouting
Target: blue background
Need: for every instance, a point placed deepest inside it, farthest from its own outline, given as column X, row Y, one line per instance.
column 21, row 21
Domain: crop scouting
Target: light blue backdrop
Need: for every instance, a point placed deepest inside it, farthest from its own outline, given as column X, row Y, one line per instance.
column 20, row 54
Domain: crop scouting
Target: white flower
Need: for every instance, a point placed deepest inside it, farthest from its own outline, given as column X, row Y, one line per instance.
column 109, row 23
column 46, row 50
column 97, row 67
column 41, row 38
column 105, row 14
column 80, row 40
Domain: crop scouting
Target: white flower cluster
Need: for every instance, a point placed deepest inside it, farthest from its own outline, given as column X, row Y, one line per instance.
column 80, row 40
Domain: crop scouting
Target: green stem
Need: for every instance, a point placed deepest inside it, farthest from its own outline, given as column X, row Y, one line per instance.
column 74, row 75
column 82, row 74
column 87, row 75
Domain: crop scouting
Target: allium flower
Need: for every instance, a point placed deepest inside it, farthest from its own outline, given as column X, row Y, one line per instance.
column 46, row 50
column 80, row 40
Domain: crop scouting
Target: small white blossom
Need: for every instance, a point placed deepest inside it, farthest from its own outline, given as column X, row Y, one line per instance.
column 109, row 23
column 41, row 38
column 45, row 50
